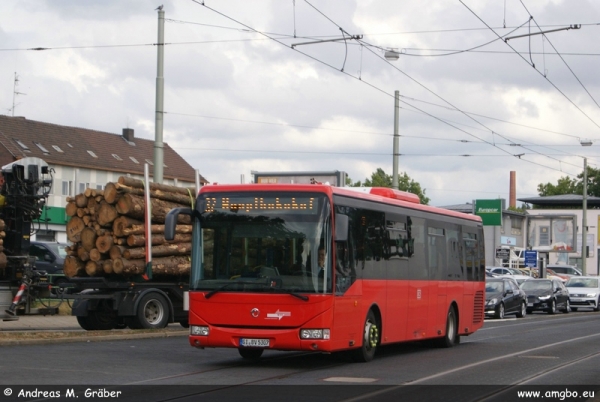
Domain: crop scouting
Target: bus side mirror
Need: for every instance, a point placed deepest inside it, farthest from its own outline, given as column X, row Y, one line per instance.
column 171, row 221
column 341, row 227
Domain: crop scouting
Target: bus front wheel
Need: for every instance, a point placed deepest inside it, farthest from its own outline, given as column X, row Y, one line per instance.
column 370, row 340
column 250, row 353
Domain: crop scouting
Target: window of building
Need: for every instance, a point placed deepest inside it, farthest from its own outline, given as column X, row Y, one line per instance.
column 117, row 157
column 45, row 235
column 83, row 186
column 21, row 144
column 515, row 225
column 57, row 148
column 134, row 160
column 67, row 187
column 149, row 162
column 41, row 147
column 544, row 235
column 92, row 154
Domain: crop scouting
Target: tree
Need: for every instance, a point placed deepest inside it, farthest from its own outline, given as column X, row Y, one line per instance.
column 565, row 185
column 593, row 185
column 380, row 179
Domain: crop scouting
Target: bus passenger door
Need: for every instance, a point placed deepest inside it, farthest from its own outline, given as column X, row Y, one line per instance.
column 396, row 256
column 348, row 292
column 418, row 287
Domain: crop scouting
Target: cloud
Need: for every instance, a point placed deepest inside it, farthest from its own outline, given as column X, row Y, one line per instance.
column 238, row 100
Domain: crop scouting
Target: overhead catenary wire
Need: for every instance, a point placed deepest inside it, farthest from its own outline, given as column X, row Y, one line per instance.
column 545, row 77
column 375, row 87
column 564, row 61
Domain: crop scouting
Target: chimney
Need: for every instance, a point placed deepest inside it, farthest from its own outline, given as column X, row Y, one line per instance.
column 513, row 190
column 128, row 134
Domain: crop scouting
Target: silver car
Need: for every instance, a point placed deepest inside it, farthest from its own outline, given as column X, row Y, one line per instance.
column 565, row 270
column 584, row 291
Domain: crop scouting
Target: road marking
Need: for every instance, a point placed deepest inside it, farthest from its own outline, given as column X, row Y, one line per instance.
column 350, row 379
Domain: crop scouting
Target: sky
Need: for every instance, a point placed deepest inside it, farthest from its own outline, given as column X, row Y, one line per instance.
column 244, row 91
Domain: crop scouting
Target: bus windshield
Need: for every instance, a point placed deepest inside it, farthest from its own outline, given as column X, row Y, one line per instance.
column 263, row 242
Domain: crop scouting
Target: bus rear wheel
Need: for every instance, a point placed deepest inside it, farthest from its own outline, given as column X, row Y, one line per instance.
column 370, row 340
column 451, row 338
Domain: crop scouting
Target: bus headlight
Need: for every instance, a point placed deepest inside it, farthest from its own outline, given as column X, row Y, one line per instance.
column 315, row 333
column 199, row 330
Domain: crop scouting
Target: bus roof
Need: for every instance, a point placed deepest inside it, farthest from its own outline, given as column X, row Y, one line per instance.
column 378, row 194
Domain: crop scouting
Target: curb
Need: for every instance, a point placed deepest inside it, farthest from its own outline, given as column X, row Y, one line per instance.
column 98, row 338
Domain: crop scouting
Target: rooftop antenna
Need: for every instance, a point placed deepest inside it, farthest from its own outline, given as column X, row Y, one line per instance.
column 15, row 93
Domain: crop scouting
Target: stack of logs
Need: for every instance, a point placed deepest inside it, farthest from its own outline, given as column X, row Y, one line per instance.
column 107, row 231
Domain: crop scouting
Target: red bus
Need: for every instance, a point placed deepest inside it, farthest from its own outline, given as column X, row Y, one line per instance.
column 325, row 269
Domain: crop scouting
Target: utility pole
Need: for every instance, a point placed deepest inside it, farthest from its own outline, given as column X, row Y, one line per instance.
column 396, row 140
column 584, row 221
column 160, row 92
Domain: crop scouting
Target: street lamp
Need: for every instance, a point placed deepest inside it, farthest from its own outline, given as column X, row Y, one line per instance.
column 391, row 55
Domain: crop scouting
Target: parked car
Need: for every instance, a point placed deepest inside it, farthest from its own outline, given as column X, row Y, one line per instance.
column 548, row 295
column 584, row 291
column 504, row 296
column 49, row 257
column 514, row 273
column 554, row 275
column 565, row 270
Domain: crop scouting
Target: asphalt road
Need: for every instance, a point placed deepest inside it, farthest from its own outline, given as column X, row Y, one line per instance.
column 559, row 353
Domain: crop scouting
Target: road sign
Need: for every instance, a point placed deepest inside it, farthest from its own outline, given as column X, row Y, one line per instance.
column 531, row 257
column 502, row 253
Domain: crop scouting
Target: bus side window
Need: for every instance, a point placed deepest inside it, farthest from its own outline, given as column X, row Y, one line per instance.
column 454, row 251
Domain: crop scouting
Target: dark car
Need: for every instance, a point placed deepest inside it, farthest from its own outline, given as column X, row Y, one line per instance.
column 548, row 295
column 503, row 296
column 49, row 257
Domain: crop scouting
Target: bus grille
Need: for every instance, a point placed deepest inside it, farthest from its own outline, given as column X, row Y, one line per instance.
column 478, row 307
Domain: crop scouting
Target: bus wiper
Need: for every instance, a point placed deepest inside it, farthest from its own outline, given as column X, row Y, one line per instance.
column 217, row 290
column 298, row 295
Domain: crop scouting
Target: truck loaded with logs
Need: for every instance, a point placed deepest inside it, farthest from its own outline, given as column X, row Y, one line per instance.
column 122, row 272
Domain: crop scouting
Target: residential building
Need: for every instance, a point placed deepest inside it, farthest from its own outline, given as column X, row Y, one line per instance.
column 80, row 158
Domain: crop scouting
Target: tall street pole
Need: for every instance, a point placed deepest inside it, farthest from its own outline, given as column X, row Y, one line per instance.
column 584, row 221
column 160, row 91
column 396, row 140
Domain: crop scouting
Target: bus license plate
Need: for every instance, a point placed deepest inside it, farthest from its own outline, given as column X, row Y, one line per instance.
column 254, row 343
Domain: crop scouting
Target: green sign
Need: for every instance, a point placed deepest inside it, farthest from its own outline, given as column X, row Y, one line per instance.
column 490, row 212
column 53, row 215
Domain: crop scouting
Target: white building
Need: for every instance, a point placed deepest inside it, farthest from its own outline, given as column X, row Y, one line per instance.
column 565, row 205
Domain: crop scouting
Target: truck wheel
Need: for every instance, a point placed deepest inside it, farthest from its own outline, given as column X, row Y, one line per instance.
column 102, row 320
column 83, row 323
column 152, row 313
